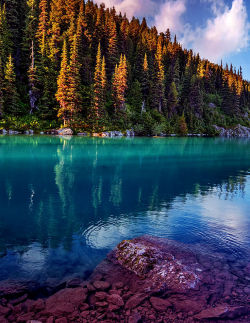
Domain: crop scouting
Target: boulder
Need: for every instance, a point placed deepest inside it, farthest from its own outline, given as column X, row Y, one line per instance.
column 65, row 301
column 151, row 261
column 238, row 131
column 115, row 299
column 160, row 304
column 135, row 300
column 65, row 132
column 101, row 285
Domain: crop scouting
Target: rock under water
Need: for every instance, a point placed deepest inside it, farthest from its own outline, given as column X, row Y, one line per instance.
column 146, row 279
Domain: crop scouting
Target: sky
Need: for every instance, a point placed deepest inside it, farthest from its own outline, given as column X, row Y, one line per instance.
column 217, row 29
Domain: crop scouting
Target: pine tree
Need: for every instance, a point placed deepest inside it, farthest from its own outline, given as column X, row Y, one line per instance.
column 64, row 111
column 112, row 46
column 145, row 83
column 42, row 26
column 11, row 97
column 119, row 85
column 182, row 126
column 33, row 82
column 28, row 41
column 1, row 89
column 74, row 81
column 5, row 36
column 172, row 99
column 100, row 83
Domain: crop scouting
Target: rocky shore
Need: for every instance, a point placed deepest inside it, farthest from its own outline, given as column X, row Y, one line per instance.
column 146, row 279
column 237, row 132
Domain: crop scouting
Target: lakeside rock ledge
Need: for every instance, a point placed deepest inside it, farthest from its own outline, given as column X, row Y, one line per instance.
column 146, row 279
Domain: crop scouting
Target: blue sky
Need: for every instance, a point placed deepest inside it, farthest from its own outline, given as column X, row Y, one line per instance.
column 217, row 29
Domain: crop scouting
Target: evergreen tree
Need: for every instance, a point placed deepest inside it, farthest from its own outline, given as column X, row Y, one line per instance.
column 119, row 85
column 1, row 89
column 99, row 85
column 64, row 111
column 42, row 26
column 5, row 36
column 172, row 99
column 182, row 126
column 33, row 82
column 74, row 86
column 11, row 97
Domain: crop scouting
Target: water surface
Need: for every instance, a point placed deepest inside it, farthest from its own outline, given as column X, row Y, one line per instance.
column 64, row 203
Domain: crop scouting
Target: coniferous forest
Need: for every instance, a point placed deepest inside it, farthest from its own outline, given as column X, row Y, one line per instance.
column 73, row 63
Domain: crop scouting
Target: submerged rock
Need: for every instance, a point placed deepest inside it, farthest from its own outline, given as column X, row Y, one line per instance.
column 147, row 259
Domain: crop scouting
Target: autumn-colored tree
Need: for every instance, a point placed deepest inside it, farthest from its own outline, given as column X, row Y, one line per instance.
column 182, row 126
column 42, row 26
column 74, row 81
column 119, row 84
column 64, row 111
column 112, row 46
column 99, row 85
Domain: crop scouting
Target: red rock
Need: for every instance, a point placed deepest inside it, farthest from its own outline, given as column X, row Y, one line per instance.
column 115, row 291
column 73, row 283
column 213, row 312
column 90, row 287
column 101, row 304
column 101, row 295
column 65, row 301
column 115, row 299
column 117, row 285
column 134, row 318
column 3, row 319
column 160, row 304
column 113, row 307
column 187, row 305
column 34, row 306
column 25, row 317
column 4, row 310
column 50, row 319
column 19, row 299
column 84, row 307
column 135, row 300
column 61, row 320
column 101, row 285
column 85, row 314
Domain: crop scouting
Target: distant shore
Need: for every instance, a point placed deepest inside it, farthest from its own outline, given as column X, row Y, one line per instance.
column 237, row 132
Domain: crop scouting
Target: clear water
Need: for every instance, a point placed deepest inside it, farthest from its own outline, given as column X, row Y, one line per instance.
column 64, row 203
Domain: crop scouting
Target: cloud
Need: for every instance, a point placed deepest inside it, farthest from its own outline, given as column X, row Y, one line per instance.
column 225, row 33
column 170, row 16
column 131, row 7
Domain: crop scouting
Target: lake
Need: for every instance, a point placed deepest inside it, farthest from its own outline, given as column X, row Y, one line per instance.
column 66, row 202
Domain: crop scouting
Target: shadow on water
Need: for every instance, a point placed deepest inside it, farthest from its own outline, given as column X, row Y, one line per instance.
column 65, row 202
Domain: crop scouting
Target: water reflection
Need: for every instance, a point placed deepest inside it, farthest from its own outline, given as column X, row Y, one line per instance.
column 65, row 203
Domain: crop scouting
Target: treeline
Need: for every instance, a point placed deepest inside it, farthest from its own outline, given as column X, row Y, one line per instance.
column 77, row 64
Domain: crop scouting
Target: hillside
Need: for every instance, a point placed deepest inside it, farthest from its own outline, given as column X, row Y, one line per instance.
column 76, row 64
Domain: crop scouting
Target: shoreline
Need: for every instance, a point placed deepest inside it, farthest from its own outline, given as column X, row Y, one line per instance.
column 146, row 279
column 237, row 132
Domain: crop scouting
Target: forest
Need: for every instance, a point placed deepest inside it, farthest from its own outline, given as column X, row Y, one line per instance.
column 76, row 64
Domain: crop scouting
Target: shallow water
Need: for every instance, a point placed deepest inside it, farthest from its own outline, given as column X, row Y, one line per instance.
column 64, row 203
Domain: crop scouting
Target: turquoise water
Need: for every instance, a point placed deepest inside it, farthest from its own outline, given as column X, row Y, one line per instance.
column 64, row 203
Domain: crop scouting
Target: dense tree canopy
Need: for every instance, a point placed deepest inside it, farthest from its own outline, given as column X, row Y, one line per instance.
column 83, row 65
